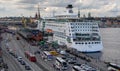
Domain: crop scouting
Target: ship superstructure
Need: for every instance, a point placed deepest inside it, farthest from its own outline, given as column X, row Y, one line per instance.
column 75, row 32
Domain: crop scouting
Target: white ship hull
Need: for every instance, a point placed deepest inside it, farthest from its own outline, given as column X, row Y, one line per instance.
column 81, row 47
column 88, row 48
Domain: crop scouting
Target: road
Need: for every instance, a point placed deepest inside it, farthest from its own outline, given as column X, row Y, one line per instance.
column 16, row 46
column 13, row 65
column 11, row 62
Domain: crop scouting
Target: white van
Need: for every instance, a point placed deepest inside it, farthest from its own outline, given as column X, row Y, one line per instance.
column 60, row 64
column 47, row 55
column 76, row 68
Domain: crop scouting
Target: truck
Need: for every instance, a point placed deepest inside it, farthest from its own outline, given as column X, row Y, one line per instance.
column 30, row 56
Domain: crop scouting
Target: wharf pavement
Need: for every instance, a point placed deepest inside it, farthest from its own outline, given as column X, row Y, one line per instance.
column 98, row 64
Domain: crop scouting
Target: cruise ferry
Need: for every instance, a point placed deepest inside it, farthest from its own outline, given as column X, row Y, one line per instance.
column 75, row 32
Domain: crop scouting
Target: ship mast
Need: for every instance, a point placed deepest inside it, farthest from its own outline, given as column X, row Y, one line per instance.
column 78, row 13
column 39, row 17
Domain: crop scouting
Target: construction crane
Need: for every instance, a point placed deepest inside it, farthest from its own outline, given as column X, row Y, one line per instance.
column 24, row 21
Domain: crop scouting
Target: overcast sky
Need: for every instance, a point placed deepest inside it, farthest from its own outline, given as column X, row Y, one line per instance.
column 29, row 7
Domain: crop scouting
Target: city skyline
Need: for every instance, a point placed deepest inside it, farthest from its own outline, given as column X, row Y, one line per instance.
column 100, row 8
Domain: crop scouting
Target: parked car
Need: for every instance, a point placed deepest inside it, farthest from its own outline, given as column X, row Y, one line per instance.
column 54, row 53
column 77, row 64
column 37, row 52
column 27, row 67
column 17, row 38
column 19, row 59
column 72, row 60
column 22, row 62
column 63, row 52
column 15, row 55
column 63, row 57
column 5, row 66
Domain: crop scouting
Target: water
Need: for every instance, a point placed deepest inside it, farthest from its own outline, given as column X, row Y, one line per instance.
column 111, row 43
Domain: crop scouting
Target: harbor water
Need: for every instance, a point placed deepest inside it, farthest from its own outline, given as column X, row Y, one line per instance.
column 111, row 44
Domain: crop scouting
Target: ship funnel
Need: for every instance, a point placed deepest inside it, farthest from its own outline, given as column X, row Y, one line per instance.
column 69, row 8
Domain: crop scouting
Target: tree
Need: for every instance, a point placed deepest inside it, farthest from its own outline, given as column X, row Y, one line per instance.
column 41, row 43
column 54, row 44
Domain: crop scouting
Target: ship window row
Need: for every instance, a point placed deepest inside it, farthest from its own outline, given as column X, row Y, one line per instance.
column 81, row 27
column 56, row 20
column 95, row 30
column 82, row 24
column 86, row 38
column 78, row 20
column 54, row 25
column 77, row 34
column 69, row 20
column 61, row 36
column 83, row 30
column 84, row 27
column 94, row 26
column 65, row 16
column 88, row 43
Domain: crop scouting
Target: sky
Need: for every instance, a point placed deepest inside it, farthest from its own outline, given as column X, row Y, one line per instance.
column 97, row 8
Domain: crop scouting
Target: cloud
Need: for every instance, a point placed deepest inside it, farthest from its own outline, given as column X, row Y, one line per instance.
column 31, row 1
column 27, row 7
column 96, row 7
column 2, row 9
column 83, row 4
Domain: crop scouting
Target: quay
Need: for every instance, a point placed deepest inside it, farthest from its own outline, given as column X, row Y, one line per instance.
column 98, row 64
